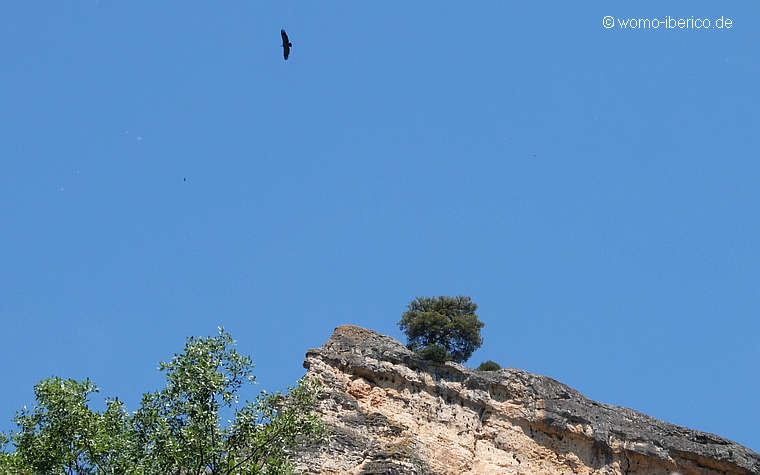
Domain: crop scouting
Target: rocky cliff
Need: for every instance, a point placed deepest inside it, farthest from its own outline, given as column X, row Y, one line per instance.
column 391, row 412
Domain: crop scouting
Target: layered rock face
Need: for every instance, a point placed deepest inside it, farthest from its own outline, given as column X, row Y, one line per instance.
column 391, row 412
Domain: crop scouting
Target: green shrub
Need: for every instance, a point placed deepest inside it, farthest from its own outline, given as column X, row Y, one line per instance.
column 489, row 366
column 435, row 353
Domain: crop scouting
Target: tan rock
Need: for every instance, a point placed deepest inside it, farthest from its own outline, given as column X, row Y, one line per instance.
column 391, row 412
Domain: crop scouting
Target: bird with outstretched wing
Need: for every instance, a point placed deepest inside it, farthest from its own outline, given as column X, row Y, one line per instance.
column 286, row 44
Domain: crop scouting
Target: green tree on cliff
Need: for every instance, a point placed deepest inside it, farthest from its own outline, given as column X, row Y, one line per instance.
column 176, row 430
column 442, row 328
column 488, row 366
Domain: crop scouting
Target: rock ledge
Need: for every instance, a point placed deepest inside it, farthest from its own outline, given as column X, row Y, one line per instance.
column 392, row 412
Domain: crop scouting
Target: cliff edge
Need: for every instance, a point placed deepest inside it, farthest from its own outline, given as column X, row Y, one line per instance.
column 391, row 412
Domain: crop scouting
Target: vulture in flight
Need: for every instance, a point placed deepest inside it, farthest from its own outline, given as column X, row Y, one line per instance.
column 286, row 44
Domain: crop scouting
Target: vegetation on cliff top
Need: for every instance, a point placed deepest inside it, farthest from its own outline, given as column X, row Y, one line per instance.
column 442, row 328
column 488, row 366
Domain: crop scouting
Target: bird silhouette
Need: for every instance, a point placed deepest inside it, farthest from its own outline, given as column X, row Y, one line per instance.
column 286, row 44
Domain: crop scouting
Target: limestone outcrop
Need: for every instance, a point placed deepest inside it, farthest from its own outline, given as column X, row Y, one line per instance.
column 392, row 412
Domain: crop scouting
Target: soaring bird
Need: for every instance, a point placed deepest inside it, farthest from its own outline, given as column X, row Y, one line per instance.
column 286, row 44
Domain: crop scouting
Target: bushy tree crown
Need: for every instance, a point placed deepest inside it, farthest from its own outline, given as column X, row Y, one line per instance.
column 488, row 366
column 442, row 328
column 176, row 430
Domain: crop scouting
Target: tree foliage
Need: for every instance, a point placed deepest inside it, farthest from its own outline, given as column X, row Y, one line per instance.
column 488, row 366
column 442, row 328
column 176, row 429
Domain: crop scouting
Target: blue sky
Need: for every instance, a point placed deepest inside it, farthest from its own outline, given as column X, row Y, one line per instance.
column 595, row 191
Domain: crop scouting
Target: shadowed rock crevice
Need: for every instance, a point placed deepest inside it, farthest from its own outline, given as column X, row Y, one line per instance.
column 392, row 412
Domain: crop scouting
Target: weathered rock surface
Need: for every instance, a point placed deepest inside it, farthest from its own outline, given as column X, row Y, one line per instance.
column 391, row 412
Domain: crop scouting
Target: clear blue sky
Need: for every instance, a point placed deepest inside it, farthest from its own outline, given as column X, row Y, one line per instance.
column 595, row 191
